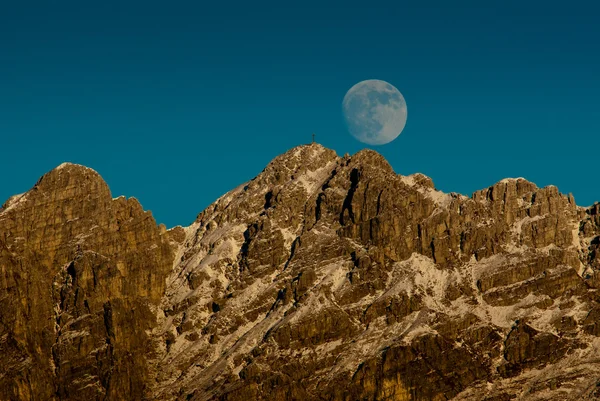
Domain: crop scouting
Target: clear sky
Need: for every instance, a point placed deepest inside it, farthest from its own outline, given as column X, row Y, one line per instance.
column 176, row 103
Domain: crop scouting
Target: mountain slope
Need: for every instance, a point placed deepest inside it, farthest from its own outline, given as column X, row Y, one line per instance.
column 80, row 273
column 325, row 277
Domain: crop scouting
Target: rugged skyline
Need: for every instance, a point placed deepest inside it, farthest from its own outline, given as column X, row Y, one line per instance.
column 324, row 277
column 190, row 99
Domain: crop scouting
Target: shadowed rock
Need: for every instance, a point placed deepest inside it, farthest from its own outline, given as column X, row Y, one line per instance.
column 325, row 278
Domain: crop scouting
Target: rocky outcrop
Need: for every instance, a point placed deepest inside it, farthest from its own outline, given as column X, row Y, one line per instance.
column 337, row 279
column 325, row 278
column 82, row 274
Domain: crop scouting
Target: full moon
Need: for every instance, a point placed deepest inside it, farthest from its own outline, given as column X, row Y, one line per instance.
column 375, row 112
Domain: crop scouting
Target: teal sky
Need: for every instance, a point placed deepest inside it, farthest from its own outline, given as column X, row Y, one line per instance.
column 176, row 103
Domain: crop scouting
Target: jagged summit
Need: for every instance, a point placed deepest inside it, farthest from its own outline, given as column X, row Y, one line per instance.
column 287, row 166
column 68, row 173
column 341, row 263
column 66, row 182
column 69, row 165
column 324, row 277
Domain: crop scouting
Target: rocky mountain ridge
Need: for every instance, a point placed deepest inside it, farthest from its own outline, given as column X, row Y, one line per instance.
column 324, row 278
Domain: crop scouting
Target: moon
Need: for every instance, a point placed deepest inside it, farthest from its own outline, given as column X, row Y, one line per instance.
column 375, row 112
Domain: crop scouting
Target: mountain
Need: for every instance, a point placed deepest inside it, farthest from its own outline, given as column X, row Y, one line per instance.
column 324, row 278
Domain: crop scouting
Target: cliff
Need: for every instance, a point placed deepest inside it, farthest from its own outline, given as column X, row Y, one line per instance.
column 324, row 278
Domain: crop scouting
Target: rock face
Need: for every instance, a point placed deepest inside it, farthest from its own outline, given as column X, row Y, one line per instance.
column 324, row 278
column 81, row 277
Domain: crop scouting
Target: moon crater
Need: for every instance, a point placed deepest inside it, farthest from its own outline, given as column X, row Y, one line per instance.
column 375, row 112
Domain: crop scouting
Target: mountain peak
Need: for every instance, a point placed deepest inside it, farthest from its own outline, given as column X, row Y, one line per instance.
column 304, row 154
column 67, row 181
column 69, row 165
column 324, row 277
column 346, row 266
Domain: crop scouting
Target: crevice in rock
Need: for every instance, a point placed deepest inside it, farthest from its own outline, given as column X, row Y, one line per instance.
column 108, row 323
column 295, row 244
column 245, row 248
column 72, row 272
column 281, row 295
column 320, row 198
column 268, row 200
column 354, row 178
column 379, row 202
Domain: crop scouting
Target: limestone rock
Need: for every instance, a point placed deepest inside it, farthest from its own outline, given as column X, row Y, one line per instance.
column 324, row 278
column 81, row 276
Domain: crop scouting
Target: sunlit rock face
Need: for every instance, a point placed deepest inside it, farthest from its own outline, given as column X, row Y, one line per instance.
column 324, row 278
column 81, row 277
